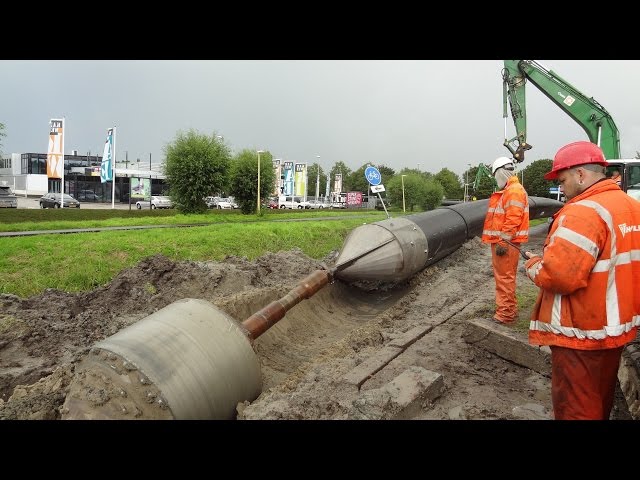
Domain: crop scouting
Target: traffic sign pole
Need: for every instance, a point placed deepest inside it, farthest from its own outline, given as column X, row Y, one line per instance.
column 372, row 174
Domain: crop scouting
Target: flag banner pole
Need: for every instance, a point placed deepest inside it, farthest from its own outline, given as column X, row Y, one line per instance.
column 113, row 172
column 55, row 153
column 107, row 166
column 62, row 156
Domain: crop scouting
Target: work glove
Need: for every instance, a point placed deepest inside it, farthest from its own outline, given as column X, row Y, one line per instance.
column 501, row 249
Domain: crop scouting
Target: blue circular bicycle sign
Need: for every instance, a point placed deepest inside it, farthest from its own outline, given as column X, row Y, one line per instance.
column 372, row 174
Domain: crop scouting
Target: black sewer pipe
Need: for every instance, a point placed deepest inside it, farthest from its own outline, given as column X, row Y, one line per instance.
column 396, row 248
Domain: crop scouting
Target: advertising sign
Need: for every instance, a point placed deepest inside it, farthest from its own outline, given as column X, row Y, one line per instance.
column 278, row 188
column 354, row 198
column 106, row 167
column 55, row 160
column 301, row 179
column 288, row 178
column 337, row 183
column 140, row 188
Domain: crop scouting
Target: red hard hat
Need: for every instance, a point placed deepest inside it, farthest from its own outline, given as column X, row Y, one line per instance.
column 574, row 154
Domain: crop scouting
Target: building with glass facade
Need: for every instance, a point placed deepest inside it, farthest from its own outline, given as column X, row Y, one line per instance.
column 26, row 173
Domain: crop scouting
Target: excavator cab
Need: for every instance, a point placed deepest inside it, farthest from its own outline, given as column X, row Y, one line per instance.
column 629, row 174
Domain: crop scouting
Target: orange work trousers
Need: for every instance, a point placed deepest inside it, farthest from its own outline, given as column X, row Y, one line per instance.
column 505, row 269
column 583, row 382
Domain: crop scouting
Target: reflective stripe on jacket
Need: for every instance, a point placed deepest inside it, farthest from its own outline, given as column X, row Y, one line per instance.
column 589, row 274
column 507, row 214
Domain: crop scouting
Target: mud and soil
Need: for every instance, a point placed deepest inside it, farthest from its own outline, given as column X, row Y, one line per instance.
column 305, row 356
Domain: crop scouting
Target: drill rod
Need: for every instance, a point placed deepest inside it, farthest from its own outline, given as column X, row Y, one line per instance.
column 262, row 320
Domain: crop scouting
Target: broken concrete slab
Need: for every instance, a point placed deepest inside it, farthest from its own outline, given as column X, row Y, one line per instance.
column 371, row 365
column 508, row 344
column 408, row 338
column 401, row 398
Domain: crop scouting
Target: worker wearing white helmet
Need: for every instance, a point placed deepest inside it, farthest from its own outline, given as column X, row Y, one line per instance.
column 505, row 174
column 506, row 221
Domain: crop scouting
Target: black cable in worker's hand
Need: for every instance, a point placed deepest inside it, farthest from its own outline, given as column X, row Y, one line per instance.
column 517, row 248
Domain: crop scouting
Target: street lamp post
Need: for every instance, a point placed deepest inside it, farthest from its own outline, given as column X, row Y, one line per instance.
column 466, row 184
column 150, row 182
column 258, row 203
column 404, row 209
column 318, row 179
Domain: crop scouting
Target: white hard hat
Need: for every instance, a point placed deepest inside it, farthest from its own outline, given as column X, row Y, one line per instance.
column 499, row 163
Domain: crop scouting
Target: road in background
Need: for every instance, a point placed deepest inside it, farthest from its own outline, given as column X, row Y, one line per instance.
column 33, row 202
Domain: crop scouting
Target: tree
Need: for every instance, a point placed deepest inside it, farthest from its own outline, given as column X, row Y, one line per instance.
column 312, row 176
column 419, row 191
column 637, row 154
column 531, row 177
column 386, row 172
column 432, row 193
column 534, row 182
column 414, row 190
column 196, row 165
column 244, row 179
column 357, row 181
column 453, row 188
column 426, row 175
column 341, row 167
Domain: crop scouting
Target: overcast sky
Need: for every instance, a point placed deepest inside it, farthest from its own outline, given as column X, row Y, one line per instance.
column 425, row 113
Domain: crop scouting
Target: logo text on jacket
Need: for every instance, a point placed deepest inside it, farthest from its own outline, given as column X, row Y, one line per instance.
column 624, row 228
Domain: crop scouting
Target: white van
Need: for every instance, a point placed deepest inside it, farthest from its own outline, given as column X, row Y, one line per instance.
column 289, row 202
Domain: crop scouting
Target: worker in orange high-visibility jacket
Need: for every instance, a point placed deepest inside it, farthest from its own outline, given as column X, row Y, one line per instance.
column 588, row 307
column 507, row 219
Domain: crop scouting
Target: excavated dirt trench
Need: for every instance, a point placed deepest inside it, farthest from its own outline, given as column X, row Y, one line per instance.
column 313, row 325
column 304, row 357
column 43, row 338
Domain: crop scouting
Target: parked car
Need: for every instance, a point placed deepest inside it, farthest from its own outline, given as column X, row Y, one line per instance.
column 315, row 204
column 223, row 204
column 88, row 196
column 7, row 198
column 290, row 202
column 157, row 201
column 55, row 200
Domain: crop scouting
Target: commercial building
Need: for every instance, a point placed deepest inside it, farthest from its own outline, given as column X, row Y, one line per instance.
column 26, row 173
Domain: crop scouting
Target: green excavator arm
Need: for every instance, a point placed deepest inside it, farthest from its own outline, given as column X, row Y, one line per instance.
column 483, row 172
column 585, row 111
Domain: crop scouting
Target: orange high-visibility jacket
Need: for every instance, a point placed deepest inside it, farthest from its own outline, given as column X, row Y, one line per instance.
column 507, row 215
column 589, row 273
